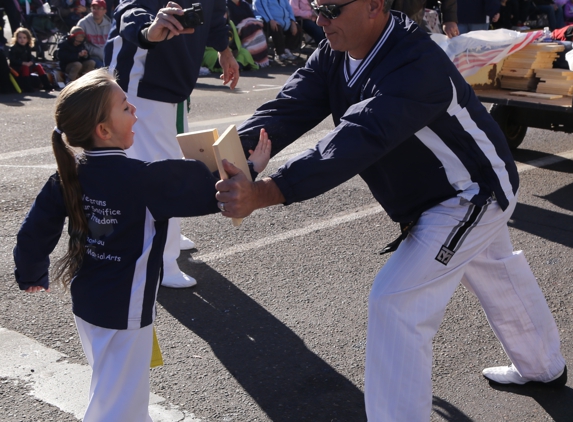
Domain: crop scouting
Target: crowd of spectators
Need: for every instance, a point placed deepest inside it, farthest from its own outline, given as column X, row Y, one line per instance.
column 266, row 31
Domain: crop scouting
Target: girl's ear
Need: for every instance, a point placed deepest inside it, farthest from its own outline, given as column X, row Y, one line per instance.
column 102, row 132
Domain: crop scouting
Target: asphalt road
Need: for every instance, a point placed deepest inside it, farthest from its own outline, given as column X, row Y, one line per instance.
column 275, row 330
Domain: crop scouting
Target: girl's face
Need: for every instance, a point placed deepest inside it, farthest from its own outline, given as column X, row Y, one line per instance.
column 121, row 120
column 22, row 38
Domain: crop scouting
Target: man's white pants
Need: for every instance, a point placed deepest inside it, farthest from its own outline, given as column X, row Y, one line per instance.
column 155, row 139
column 120, row 360
column 410, row 294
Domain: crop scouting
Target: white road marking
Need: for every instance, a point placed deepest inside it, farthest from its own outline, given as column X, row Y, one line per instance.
column 60, row 383
column 25, row 153
column 220, row 121
column 324, row 224
column 545, row 161
column 42, row 166
column 267, row 89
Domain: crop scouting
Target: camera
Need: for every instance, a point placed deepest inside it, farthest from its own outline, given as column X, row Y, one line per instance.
column 191, row 17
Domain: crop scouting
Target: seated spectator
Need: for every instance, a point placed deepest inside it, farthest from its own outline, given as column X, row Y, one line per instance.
column 554, row 13
column 280, row 24
column 22, row 61
column 303, row 11
column 96, row 25
column 250, row 30
column 568, row 11
column 74, row 57
column 242, row 55
column 71, row 11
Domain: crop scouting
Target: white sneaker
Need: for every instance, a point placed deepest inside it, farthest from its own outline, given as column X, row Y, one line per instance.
column 509, row 375
column 178, row 281
column 203, row 71
column 185, row 243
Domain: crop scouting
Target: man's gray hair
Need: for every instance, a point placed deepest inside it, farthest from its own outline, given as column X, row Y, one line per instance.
column 387, row 5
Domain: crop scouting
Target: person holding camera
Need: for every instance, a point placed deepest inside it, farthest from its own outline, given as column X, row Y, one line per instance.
column 157, row 61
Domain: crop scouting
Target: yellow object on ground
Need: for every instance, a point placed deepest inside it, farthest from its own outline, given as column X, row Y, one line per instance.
column 16, row 86
column 156, row 356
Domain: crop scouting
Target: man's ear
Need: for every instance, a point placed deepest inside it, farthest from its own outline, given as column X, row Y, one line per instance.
column 376, row 6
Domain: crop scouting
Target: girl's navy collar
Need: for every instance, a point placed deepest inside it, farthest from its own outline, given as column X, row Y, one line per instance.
column 105, row 152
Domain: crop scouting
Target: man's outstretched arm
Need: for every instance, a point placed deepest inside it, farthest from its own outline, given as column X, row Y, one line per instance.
column 240, row 197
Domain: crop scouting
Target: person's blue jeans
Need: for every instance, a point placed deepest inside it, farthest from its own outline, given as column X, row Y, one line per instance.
column 554, row 17
column 312, row 29
column 464, row 28
column 98, row 62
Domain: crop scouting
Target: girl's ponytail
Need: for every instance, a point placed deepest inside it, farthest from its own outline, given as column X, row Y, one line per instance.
column 66, row 267
column 81, row 106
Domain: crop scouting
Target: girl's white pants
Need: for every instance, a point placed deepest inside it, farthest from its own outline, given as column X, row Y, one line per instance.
column 120, row 359
column 410, row 294
column 155, row 139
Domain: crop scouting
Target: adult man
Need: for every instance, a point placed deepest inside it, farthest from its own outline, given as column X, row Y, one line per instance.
column 410, row 125
column 157, row 62
column 96, row 25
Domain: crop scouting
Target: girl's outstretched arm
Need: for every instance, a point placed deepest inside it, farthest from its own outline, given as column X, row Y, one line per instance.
column 262, row 154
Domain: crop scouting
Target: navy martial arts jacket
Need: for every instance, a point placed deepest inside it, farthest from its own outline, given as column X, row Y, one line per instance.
column 406, row 121
column 166, row 71
column 127, row 203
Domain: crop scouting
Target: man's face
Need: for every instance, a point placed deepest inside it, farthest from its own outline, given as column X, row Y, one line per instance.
column 98, row 12
column 346, row 31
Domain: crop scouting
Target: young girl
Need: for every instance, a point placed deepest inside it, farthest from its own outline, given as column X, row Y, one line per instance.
column 22, row 60
column 118, row 210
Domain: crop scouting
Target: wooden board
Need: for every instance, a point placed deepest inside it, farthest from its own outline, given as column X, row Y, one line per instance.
column 228, row 147
column 554, row 74
column 517, row 73
column 535, row 95
column 199, row 146
column 545, row 47
column 550, row 90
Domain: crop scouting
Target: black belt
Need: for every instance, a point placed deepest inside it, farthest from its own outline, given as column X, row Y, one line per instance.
column 404, row 229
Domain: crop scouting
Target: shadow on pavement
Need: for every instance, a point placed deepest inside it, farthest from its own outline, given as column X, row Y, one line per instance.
column 558, row 403
column 448, row 412
column 536, row 220
column 562, row 197
column 273, row 365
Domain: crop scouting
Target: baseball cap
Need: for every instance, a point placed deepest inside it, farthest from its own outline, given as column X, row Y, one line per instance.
column 99, row 3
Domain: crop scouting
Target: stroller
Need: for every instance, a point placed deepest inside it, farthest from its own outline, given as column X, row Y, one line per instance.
column 46, row 24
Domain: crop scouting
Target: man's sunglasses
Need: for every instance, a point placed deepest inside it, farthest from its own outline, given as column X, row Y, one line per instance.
column 329, row 11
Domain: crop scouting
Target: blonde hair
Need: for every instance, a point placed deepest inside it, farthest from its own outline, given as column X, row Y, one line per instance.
column 80, row 107
column 31, row 39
